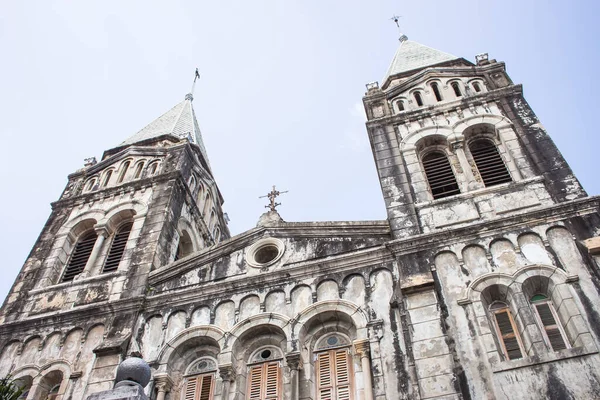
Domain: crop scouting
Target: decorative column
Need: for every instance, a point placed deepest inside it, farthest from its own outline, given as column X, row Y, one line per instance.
column 102, row 235
column 458, row 148
column 362, row 349
column 227, row 375
column 163, row 383
column 294, row 361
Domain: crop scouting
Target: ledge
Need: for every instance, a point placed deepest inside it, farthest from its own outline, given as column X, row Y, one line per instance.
column 95, row 278
column 541, row 359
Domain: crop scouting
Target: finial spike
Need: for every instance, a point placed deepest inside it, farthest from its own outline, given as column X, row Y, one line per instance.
column 396, row 18
column 190, row 95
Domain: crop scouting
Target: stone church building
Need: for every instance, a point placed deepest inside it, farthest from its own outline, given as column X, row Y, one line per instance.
column 482, row 283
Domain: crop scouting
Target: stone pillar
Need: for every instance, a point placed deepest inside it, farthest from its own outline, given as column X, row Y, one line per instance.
column 362, row 349
column 458, row 148
column 164, row 384
column 102, row 235
column 227, row 375
column 294, row 361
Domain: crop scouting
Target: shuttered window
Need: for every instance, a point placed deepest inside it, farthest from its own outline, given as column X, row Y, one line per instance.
column 80, row 256
column 264, row 381
column 199, row 387
column 334, row 376
column 439, row 175
column 489, row 163
column 507, row 334
column 117, row 248
column 552, row 330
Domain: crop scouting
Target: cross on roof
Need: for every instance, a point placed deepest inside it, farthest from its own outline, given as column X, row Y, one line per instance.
column 272, row 195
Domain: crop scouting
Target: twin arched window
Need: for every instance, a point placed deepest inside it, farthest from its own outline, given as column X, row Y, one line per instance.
column 508, row 332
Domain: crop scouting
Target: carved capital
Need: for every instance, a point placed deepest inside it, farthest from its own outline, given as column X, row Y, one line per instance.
column 294, row 361
column 227, row 373
column 163, row 382
column 362, row 348
column 456, row 145
column 102, row 230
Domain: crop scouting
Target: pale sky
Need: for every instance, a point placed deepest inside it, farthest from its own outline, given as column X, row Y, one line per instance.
column 279, row 101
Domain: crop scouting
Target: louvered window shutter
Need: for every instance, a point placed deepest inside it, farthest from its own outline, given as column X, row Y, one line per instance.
column 551, row 327
column 334, row 375
column 489, row 163
column 508, row 335
column 440, row 175
column 199, row 387
column 81, row 254
column 264, row 381
column 117, row 248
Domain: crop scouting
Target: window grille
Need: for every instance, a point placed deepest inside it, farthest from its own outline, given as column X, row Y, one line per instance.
column 117, row 248
column 440, row 177
column 199, row 387
column 334, row 375
column 436, row 91
column 264, row 381
column 81, row 254
column 456, row 88
column 553, row 332
column 418, row 99
column 507, row 334
column 489, row 163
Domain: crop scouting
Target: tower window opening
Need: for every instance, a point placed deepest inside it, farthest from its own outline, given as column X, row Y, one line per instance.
column 552, row 330
column 124, row 169
column 440, row 176
column 477, row 87
column 456, row 88
column 436, row 91
column 90, row 185
column 400, row 105
column 153, row 169
column 107, row 178
column 138, row 171
column 506, row 330
column 418, row 99
column 81, row 254
column 489, row 163
column 117, row 248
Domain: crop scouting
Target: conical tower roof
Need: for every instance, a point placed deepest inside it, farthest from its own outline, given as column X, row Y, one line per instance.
column 179, row 121
column 413, row 56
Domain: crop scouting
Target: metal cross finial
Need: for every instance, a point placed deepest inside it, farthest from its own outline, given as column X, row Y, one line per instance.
column 272, row 195
column 396, row 19
column 190, row 95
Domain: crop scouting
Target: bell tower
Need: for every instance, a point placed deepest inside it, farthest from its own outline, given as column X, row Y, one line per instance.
column 456, row 143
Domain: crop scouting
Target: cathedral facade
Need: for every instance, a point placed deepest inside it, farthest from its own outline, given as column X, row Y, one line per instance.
column 482, row 282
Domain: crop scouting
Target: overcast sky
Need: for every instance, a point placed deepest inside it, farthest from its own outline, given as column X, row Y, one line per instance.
column 279, row 101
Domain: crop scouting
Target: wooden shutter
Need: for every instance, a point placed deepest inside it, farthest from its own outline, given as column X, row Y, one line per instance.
column 551, row 328
column 508, row 335
column 264, row 381
column 440, row 175
column 199, row 387
column 117, row 248
column 334, row 376
column 81, row 254
column 489, row 163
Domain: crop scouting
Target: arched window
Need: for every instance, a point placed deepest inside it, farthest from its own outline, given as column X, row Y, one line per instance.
column 117, row 247
column 138, row 170
column 217, row 235
column 153, row 169
column 477, row 87
column 418, row 98
column 436, row 91
column 80, row 256
column 185, row 246
column 333, row 368
column 489, row 162
column 207, row 205
column 124, row 169
column 506, row 330
column 192, row 184
column 107, row 178
column 440, row 176
column 200, row 380
column 90, row 185
column 264, row 375
column 400, row 105
column 53, row 393
column 212, row 219
column 456, row 89
column 546, row 316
